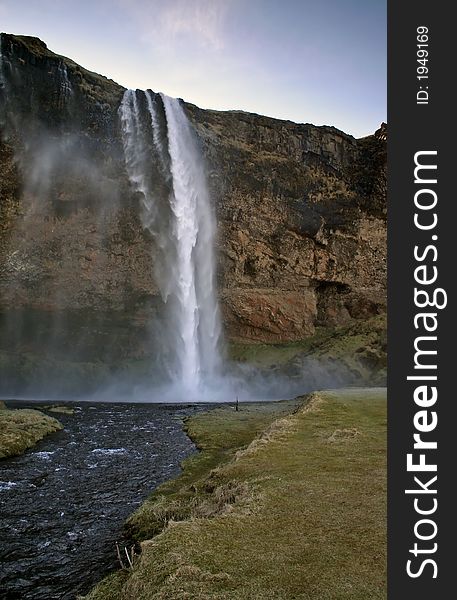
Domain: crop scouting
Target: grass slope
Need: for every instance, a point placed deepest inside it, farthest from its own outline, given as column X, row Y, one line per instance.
column 356, row 351
column 298, row 513
column 21, row 429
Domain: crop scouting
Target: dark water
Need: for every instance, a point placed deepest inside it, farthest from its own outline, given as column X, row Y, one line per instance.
column 62, row 504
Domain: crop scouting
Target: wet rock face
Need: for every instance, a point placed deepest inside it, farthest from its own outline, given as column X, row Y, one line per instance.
column 301, row 209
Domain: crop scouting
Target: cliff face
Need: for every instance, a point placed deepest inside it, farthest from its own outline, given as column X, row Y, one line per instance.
column 302, row 220
column 301, row 214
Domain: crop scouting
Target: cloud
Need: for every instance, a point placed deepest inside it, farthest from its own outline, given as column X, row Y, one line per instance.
column 199, row 22
column 201, row 18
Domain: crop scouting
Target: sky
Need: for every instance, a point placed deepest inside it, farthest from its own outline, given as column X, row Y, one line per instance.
column 310, row 61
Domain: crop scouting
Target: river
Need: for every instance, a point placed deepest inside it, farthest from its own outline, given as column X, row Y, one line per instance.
column 63, row 503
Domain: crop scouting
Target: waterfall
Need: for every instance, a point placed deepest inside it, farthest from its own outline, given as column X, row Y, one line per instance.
column 65, row 88
column 4, row 62
column 165, row 165
column 2, row 77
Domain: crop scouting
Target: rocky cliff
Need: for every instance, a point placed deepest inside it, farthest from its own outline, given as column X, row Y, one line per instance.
column 301, row 214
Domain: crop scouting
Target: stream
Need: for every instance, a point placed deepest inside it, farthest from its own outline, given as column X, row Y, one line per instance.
column 63, row 503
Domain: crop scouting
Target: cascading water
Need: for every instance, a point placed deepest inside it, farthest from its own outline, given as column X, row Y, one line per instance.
column 66, row 90
column 165, row 165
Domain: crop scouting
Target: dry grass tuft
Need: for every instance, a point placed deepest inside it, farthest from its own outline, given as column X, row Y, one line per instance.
column 342, row 435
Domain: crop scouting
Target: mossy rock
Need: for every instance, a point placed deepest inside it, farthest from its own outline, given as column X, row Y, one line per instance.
column 23, row 428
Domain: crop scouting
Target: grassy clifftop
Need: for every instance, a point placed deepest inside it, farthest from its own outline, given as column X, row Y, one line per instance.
column 299, row 512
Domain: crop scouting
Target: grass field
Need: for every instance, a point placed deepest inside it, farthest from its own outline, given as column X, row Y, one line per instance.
column 284, row 502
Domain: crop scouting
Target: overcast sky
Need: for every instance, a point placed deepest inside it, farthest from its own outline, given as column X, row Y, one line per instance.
column 312, row 61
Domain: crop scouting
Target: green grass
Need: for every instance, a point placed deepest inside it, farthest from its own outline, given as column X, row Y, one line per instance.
column 22, row 429
column 261, row 354
column 297, row 513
